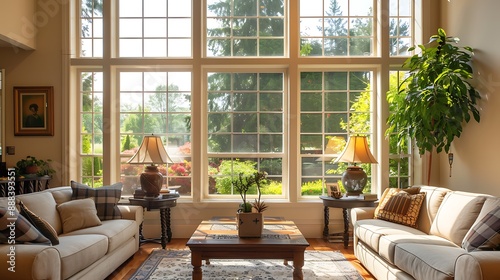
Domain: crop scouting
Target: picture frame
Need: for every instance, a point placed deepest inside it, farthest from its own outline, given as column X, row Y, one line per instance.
column 34, row 111
column 333, row 190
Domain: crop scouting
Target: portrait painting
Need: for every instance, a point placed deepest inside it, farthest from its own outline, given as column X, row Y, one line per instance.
column 33, row 111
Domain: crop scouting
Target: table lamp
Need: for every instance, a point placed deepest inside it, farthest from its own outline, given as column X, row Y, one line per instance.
column 356, row 151
column 151, row 152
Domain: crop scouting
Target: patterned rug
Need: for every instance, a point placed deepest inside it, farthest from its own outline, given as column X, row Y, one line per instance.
column 176, row 264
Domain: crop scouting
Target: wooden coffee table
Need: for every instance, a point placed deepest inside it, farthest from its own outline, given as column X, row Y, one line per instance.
column 218, row 239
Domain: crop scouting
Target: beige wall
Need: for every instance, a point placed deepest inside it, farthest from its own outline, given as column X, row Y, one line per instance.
column 40, row 67
column 477, row 152
column 17, row 22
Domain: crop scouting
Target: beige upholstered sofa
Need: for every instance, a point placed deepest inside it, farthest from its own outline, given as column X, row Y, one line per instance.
column 91, row 252
column 433, row 249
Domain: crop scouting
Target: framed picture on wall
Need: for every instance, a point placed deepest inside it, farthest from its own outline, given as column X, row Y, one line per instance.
column 34, row 111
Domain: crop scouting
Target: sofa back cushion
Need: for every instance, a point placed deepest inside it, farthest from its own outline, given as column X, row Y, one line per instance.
column 44, row 205
column 457, row 213
column 433, row 198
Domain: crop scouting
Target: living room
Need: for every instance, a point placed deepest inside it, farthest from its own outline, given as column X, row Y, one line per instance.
column 41, row 50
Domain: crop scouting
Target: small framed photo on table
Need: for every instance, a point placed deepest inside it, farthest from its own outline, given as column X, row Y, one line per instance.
column 34, row 111
column 333, row 190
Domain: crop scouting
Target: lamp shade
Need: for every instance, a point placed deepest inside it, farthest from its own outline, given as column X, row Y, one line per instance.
column 151, row 151
column 357, row 151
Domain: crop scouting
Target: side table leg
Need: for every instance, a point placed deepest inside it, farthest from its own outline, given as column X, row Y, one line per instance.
column 169, row 229
column 326, row 222
column 163, row 220
column 346, row 227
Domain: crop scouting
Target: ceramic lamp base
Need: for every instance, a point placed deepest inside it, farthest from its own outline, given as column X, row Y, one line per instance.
column 151, row 181
column 354, row 180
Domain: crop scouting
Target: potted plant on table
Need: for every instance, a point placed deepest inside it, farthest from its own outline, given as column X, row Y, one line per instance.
column 31, row 167
column 435, row 100
column 250, row 224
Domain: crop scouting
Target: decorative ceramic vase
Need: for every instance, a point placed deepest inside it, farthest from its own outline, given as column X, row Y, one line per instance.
column 249, row 224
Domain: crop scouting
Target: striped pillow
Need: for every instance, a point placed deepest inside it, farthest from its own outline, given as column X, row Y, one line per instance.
column 482, row 233
column 106, row 199
column 23, row 231
column 43, row 226
column 401, row 207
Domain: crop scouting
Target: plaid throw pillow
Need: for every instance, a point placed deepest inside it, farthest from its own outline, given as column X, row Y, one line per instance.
column 106, row 198
column 487, row 229
column 401, row 207
column 24, row 232
column 43, row 226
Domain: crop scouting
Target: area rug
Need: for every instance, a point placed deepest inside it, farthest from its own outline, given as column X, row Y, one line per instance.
column 176, row 264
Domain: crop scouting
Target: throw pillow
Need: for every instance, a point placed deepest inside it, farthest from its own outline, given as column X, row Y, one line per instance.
column 78, row 214
column 389, row 192
column 106, row 198
column 15, row 229
column 401, row 207
column 43, row 226
column 483, row 234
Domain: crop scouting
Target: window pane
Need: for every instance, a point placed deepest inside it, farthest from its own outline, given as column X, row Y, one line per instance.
column 166, row 22
column 336, row 28
column 238, row 28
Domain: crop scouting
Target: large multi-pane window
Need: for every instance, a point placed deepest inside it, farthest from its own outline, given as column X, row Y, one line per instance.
column 91, row 128
column 246, row 129
column 400, row 154
column 265, row 85
column 333, row 106
column 156, row 103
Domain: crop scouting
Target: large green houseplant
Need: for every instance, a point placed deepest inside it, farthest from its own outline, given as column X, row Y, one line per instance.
column 436, row 98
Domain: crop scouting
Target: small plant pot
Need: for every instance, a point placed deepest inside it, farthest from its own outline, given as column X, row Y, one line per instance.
column 32, row 169
column 249, row 224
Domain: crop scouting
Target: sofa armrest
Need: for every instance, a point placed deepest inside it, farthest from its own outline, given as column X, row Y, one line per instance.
column 132, row 212
column 478, row 265
column 362, row 213
column 29, row 262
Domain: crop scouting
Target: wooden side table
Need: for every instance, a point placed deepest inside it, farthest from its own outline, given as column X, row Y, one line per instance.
column 344, row 203
column 163, row 203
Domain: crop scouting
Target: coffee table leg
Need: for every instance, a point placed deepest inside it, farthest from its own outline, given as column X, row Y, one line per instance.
column 196, row 262
column 298, row 263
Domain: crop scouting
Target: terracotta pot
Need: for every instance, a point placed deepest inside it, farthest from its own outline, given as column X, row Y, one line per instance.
column 32, row 169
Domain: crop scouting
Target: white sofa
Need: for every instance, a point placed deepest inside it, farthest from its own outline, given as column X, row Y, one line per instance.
column 433, row 250
column 88, row 253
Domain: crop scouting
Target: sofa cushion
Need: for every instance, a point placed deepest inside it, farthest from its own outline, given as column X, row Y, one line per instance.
column 370, row 231
column 484, row 232
column 79, row 251
column 426, row 261
column 44, row 205
column 433, row 198
column 388, row 243
column 43, row 226
column 457, row 213
column 78, row 214
column 13, row 224
column 117, row 231
column 106, row 198
column 401, row 207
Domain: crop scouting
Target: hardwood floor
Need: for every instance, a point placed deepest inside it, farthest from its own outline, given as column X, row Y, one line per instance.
column 125, row 271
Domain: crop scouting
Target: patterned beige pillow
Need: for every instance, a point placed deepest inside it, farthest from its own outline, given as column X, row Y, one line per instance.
column 78, row 214
column 401, row 207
